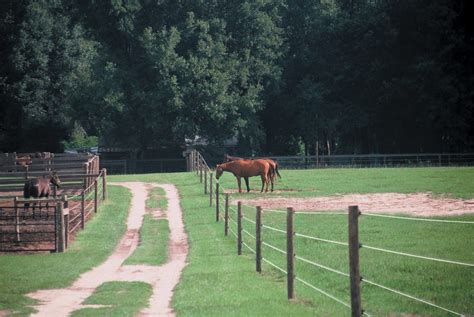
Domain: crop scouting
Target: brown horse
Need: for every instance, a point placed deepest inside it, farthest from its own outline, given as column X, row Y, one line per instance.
column 40, row 187
column 246, row 169
column 274, row 169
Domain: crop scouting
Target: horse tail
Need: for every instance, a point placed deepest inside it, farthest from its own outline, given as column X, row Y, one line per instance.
column 276, row 169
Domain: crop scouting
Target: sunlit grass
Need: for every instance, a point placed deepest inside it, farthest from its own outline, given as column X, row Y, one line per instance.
column 117, row 298
column 22, row 274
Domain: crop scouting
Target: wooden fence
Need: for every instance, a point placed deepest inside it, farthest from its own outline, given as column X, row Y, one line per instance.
column 229, row 215
column 48, row 224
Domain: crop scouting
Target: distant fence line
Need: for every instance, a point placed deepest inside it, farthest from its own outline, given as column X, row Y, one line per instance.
column 139, row 166
column 197, row 163
column 132, row 166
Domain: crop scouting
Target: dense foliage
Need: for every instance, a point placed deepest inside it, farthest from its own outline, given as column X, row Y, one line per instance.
column 282, row 76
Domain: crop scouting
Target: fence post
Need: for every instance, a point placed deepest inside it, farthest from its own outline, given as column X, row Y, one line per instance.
column 17, row 219
column 217, row 200
column 258, row 239
column 205, row 181
column 85, row 178
column 354, row 261
column 239, row 228
column 66, row 221
column 104, row 183
column 198, row 157
column 95, row 195
column 200, row 171
column 210, row 189
column 60, row 233
column 226, row 215
column 83, row 211
column 290, row 253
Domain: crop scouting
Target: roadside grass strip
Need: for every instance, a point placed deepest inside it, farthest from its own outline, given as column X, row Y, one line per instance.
column 116, row 299
column 153, row 245
column 21, row 274
column 154, row 234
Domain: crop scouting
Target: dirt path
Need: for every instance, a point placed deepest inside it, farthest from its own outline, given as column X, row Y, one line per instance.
column 62, row 302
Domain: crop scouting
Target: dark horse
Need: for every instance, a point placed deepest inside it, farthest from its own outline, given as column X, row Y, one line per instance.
column 274, row 165
column 246, row 169
column 40, row 187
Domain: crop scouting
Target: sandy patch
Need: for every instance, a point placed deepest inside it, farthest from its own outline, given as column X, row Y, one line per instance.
column 419, row 204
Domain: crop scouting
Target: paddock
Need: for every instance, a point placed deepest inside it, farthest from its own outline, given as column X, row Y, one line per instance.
column 83, row 187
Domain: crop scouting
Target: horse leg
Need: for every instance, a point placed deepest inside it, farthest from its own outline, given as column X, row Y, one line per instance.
column 238, row 183
column 247, row 183
column 272, row 178
column 263, row 182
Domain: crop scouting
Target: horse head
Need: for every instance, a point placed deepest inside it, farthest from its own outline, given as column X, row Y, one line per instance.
column 54, row 179
column 219, row 171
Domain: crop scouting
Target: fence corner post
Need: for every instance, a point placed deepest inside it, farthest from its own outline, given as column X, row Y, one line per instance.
column 354, row 271
column 17, row 219
column 217, row 201
column 226, row 215
column 60, row 232
column 258, row 239
column 66, row 221
column 104, row 183
column 83, row 209
column 239, row 228
column 290, row 253
column 205, row 181
column 210, row 189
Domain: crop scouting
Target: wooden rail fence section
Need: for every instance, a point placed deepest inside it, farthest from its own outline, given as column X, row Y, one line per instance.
column 83, row 188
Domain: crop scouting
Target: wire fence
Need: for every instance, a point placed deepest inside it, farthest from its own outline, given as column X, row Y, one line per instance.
column 240, row 222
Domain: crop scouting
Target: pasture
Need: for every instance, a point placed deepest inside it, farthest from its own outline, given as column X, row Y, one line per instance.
column 217, row 281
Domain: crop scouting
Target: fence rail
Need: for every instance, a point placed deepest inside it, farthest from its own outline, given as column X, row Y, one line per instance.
column 197, row 163
column 26, row 224
column 363, row 160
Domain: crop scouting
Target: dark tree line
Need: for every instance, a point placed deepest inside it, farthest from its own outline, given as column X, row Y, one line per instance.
column 282, row 76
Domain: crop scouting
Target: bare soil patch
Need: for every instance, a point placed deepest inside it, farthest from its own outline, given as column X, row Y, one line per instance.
column 418, row 204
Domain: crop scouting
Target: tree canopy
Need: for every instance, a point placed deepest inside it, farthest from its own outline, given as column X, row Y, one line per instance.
column 281, row 76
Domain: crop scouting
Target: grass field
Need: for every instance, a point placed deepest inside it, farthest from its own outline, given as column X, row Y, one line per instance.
column 217, row 282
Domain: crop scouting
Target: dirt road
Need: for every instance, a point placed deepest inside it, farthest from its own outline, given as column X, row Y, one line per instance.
column 62, row 302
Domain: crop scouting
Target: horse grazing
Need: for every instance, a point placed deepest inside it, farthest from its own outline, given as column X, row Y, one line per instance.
column 40, row 187
column 246, row 169
column 274, row 170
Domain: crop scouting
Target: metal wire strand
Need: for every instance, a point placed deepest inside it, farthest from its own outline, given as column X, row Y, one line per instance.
column 322, row 266
column 323, row 292
column 248, row 247
column 417, row 219
column 249, row 233
column 322, row 240
column 274, row 229
column 273, row 247
column 274, row 265
column 416, row 256
column 410, row 296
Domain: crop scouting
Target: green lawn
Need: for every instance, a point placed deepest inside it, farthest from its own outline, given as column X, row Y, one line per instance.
column 217, row 282
column 118, row 299
column 153, row 245
column 22, row 274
